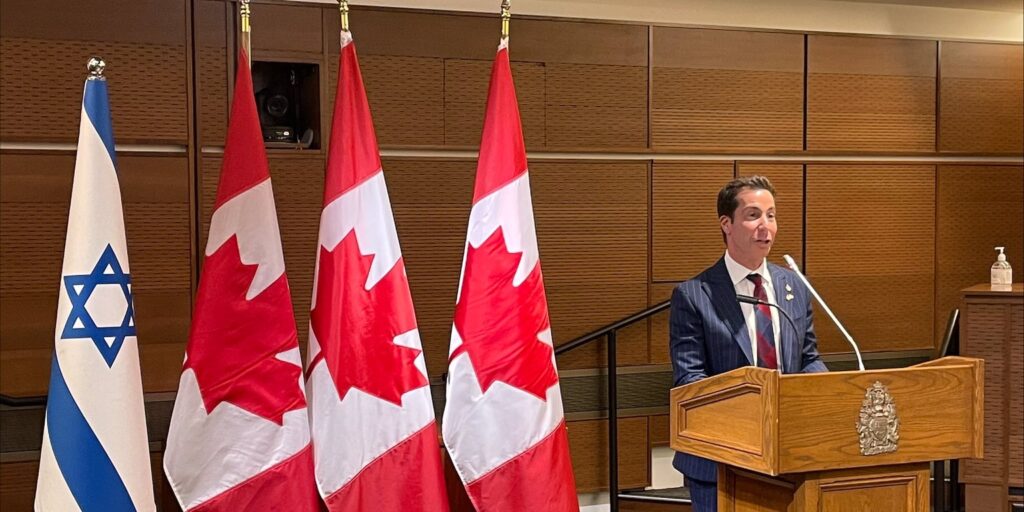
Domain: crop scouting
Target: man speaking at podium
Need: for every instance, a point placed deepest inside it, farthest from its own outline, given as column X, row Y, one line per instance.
column 710, row 332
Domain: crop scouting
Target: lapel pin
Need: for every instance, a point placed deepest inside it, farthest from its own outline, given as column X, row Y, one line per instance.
column 789, row 288
column 789, row 296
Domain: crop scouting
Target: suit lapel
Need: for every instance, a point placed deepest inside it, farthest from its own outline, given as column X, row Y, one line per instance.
column 788, row 342
column 722, row 293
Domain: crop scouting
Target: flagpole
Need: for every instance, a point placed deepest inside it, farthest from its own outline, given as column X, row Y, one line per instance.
column 95, row 390
column 96, row 65
column 246, row 11
column 506, row 6
column 343, row 12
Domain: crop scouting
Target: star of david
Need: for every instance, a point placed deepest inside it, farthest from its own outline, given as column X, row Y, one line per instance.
column 80, row 324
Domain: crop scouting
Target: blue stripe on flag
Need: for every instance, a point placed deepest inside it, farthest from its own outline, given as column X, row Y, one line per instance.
column 87, row 469
column 97, row 107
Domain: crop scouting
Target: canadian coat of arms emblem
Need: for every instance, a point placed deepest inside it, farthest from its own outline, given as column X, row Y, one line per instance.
column 879, row 426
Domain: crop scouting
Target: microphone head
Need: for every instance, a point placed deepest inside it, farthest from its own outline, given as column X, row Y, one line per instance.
column 748, row 299
column 791, row 263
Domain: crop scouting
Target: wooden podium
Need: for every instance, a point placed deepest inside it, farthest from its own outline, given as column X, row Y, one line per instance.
column 831, row 442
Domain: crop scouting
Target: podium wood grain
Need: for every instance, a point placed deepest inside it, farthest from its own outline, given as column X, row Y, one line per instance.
column 818, row 416
column 791, row 443
column 762, row 421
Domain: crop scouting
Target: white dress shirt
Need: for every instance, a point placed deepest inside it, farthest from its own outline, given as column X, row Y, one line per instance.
column 738, row 273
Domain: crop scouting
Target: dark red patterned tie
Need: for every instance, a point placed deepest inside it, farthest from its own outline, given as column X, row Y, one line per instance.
column 763, row 326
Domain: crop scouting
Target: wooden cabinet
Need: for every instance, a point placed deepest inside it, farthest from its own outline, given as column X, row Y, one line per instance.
column 992, row 328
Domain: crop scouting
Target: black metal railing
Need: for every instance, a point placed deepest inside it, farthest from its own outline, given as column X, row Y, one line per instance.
column 949, row 346
column 611, row 332
column 946, row 492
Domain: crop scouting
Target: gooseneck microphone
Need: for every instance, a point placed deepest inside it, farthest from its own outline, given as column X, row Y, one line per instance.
column 856, row 349
column 756, row 301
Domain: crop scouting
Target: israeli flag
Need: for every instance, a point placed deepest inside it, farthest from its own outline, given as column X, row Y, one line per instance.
column 95, row 452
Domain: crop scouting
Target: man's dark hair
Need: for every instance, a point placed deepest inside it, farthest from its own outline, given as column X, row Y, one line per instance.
column 727, row 202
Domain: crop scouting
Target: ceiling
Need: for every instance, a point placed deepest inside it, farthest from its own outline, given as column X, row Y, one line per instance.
column 981, row 5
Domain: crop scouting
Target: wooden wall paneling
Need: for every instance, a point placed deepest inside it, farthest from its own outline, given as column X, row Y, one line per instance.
column 985, row 330
column 985, row 497
column 417, row 33
column 592, row 220
column 658, row 430
column 286, row 28
column 298, row 191
column 977, row 208
column 595, row 95
column 330, row 87
column 212, row 26
column 329, row 73
column 788, row 180
column 402, row 58
column 686, row 234
column 36, row 190
column 596, row 106
column 1015, row 416
column 209, row 174
column 475, row 37
column 727, row 90
column 1015, row 409
column 431, row 199
column 46, row 45
column 869, row 94
column 588, row 446
column 658, row 324
column 465, row 96
column 35, row 193
column 596, row 80
column 870, row 239
column 18, row 484
column 329, row 80
column 982, row 97
column 580, row 42
column 193, row 146
column 603, row 103
column 155, row 190
column 406, row 96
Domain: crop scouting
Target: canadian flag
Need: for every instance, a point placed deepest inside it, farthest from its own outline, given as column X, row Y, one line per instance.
column 239, row 434
column 503, row 422
column 370, row 407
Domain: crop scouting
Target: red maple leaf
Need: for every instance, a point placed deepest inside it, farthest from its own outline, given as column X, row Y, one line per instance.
column 499, row 323
column 356, row 328
column 234, row 342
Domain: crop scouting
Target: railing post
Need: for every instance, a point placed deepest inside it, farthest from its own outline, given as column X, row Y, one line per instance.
column 613, row 427
column 954, row 485
column 939, row 486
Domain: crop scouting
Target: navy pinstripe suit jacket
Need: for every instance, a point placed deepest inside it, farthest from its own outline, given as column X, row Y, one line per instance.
column 708, row 336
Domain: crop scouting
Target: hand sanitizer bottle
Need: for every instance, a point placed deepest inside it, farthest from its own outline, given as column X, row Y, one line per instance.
column 1002, row 274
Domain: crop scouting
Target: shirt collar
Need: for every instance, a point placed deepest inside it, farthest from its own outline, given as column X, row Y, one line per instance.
column 738, row 273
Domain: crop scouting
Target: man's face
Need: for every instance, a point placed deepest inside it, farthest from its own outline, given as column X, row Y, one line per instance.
column 750, row 233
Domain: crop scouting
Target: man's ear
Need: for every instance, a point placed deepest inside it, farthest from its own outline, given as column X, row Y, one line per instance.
column 726, row 224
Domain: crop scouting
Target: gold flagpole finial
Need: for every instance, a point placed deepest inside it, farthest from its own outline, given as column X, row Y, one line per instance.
column 343, row 11
column 506, row 5
column 246, row 12
column 96, row 65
